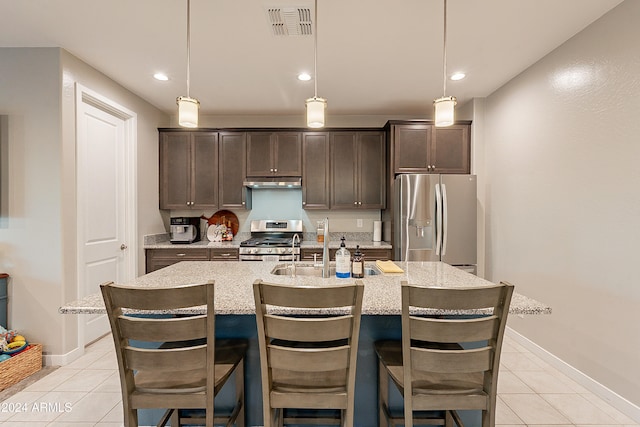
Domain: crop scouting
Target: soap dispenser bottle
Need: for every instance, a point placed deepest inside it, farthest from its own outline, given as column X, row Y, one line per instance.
column 357, row 265
column 343, row 261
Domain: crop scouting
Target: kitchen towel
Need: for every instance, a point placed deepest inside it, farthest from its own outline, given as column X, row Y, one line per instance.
column 388, row 267
column 377, row 231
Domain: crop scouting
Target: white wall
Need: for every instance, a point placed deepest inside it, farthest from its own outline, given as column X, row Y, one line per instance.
column 30, row 245
column 38, row 246
column 563, row 198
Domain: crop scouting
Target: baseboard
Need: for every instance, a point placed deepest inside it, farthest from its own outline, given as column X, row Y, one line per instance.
column 620, row 403
column 62, row 359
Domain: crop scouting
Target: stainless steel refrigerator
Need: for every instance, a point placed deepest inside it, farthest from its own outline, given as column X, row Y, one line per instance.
column 435, row 219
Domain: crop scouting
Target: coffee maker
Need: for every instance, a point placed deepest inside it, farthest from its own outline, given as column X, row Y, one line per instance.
column 185, row 229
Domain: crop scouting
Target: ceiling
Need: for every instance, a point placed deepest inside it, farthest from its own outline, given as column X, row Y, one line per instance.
column 374, row 57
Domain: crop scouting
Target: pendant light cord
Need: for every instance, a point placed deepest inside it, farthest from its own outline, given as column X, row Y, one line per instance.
column 315, row 51
column 444, row 54
column 188, row 44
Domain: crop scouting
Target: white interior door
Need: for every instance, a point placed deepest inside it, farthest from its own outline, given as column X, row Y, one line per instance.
column 104, row 250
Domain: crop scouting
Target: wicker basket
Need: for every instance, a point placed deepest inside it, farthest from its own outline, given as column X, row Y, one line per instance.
column 20, row 366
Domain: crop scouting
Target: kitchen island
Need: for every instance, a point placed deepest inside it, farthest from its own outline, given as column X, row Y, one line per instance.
column 235, row 307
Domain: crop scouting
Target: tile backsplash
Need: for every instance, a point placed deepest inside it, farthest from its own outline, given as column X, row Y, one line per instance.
column 287, row 204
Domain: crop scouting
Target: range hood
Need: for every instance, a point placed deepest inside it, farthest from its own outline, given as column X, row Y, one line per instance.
column 273, row 182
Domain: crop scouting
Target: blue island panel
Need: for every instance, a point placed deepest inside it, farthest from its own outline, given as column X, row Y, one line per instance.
column 372, row 328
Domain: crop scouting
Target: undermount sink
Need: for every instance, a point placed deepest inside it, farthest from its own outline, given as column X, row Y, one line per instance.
column 310, row 270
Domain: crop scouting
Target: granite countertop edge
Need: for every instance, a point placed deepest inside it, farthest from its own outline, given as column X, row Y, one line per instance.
column 234, row 291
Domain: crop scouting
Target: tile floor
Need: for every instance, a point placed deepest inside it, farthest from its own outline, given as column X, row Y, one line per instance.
column 86, row 393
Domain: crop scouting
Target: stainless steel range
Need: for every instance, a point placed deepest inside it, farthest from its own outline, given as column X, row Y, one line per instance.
column 272, row 240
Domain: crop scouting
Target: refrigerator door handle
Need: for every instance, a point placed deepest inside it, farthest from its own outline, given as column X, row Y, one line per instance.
column 444, row 220
column 438, row 219
column 406, row 225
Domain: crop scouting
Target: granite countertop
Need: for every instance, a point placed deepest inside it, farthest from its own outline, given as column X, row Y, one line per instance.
column 234, row 279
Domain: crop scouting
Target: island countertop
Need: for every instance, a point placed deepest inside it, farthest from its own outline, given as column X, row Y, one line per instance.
column 234, row 292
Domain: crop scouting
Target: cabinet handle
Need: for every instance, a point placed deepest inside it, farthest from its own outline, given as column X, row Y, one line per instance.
column 359, row 203
column 275, row 170
column 304, row 203
column 433, row 167
column 355, row 203
column 180, row 255
column 226, row 255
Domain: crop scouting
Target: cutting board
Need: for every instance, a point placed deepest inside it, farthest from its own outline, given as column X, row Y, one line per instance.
column 227, row 218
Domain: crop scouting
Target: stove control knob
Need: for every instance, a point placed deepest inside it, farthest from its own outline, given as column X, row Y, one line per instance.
column 254, row 250
column 270, row 250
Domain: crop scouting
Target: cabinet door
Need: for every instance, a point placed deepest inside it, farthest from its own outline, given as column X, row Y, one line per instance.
column 232, row 148
column 160, row 258
column 411, row 145
column 220, row 254
column 204, row 170
column 174, row 170
column 307, row 254
column 450, row 152
column 315, row 170
column 259, row 162
column 376, row 254
column 371, row 170
column 287, row 154
column 343, row 170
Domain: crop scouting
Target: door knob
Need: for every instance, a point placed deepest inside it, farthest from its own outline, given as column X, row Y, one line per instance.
column 123, row 247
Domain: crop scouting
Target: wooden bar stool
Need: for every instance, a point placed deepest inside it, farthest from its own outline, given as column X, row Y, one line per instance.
column 187, row 368
column 445, row 363
column 308, row 361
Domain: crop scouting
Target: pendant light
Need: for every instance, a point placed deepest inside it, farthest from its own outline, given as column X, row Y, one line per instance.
column 445, row 106
column 315, row 105
column 188, row 107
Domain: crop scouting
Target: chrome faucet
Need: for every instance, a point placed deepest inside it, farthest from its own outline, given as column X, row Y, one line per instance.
column 325, row 250
column 293, row 254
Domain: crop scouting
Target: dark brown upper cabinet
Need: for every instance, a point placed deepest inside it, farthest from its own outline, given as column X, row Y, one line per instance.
column 358, row 170
column 274, row 154
column 423, row 148
column 315, row 170
column 451, row 149
column 188, row 170
column 232, row 193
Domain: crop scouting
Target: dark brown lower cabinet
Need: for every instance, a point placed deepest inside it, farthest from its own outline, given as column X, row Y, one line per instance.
column 160, row 258
column 369, row 254
column 223, row 254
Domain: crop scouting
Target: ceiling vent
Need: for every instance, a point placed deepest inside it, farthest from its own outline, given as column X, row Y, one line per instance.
column 290, row 21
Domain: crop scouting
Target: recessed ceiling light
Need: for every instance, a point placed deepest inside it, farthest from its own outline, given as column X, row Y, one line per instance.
column 161, row 76
column 305, row 77
column 458, row 76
